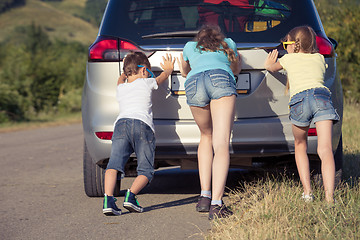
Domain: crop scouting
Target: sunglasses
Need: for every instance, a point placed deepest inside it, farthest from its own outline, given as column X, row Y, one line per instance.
column 285, row 44
column 150, row 72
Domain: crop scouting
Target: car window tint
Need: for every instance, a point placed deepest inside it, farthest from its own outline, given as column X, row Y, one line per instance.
column 232, row 16
column 242, row 20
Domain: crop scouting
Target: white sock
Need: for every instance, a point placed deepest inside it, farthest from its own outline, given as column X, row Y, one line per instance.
column 205, row 194
column 216, row 202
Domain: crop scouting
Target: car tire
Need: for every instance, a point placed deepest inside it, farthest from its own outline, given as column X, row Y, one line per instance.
column 94, row 177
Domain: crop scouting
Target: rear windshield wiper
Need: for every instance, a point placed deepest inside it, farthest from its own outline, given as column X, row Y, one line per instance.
column 179, row 34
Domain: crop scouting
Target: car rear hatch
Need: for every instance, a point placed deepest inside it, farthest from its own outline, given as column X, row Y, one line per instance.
column 161, row 27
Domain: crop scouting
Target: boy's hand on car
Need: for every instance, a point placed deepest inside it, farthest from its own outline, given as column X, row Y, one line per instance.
column 168, row 68
column 168, row 64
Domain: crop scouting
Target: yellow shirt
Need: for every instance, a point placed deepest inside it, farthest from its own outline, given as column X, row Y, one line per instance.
column 304, row 70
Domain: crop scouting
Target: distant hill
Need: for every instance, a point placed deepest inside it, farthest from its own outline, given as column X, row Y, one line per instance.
column 59, row 19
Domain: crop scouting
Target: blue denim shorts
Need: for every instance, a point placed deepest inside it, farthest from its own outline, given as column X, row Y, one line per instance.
column 202, row 87
column 133, row 135
column 312, row 105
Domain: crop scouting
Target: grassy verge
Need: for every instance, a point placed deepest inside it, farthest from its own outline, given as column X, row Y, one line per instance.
column 42, row 121
column 351, row 140
column 59, row 19
column 271, row 208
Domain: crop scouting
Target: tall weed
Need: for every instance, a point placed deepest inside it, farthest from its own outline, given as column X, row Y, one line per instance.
column 273, row 209
column 351, row 141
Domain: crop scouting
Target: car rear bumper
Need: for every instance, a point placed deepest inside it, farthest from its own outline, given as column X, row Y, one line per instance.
column 179, row 139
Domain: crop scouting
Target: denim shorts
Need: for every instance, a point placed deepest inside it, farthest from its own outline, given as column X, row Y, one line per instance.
column 202, row 87
column 312, row 105
column 133, row 135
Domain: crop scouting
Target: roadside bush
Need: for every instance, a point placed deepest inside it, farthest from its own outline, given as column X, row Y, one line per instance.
column 10, row 108
column 70, row 102
column 38, row 73
column 15, row 96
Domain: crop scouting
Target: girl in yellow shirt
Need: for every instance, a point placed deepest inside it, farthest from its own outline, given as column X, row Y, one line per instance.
column 310, row 101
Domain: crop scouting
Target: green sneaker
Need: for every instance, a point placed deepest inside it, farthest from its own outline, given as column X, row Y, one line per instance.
column 109, row 206
column 131, row 203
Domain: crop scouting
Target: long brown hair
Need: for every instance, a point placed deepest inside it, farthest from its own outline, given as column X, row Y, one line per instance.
column 305, row 40
column 210, row 38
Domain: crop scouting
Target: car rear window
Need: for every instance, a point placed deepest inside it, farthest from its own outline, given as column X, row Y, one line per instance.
column 175, row 21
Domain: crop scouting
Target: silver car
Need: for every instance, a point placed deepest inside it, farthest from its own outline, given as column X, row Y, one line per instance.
column 262, row 130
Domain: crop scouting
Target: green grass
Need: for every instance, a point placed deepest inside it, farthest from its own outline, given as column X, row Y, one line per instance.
column 69, row 6
column 60, row 20
column 43, row 120
column 271, row 208
column 351, row 141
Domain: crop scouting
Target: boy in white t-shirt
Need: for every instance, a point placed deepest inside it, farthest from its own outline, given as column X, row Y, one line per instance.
column 134, row 128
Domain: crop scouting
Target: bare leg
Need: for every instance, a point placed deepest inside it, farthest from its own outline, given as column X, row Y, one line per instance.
column 301, row 157
column 202, row 118
column 110, row 181
column 138, row 184
column 222, row 112
column 324, row 131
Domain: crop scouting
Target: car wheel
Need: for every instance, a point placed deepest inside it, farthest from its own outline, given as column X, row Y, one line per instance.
column 94, row 177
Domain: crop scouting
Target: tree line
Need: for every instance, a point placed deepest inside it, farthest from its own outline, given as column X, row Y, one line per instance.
column 38, row 75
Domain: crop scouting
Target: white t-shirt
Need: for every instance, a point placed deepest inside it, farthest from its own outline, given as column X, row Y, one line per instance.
column 135, row 100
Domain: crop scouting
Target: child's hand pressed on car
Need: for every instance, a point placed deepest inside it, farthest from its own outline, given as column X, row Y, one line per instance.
column 168, row 66
column 271, row 63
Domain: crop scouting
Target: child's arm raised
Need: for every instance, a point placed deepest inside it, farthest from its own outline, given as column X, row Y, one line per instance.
column 236, row 66
column 184, row 66
column 271, row 64
column 121, row 79
column 168, row 66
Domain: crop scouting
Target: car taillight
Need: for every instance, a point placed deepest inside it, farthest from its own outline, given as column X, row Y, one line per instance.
column 126, row 47
column 104, row 50
column 312, row 132
column 325, row 46
column 111, row 50
column 104, row 135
